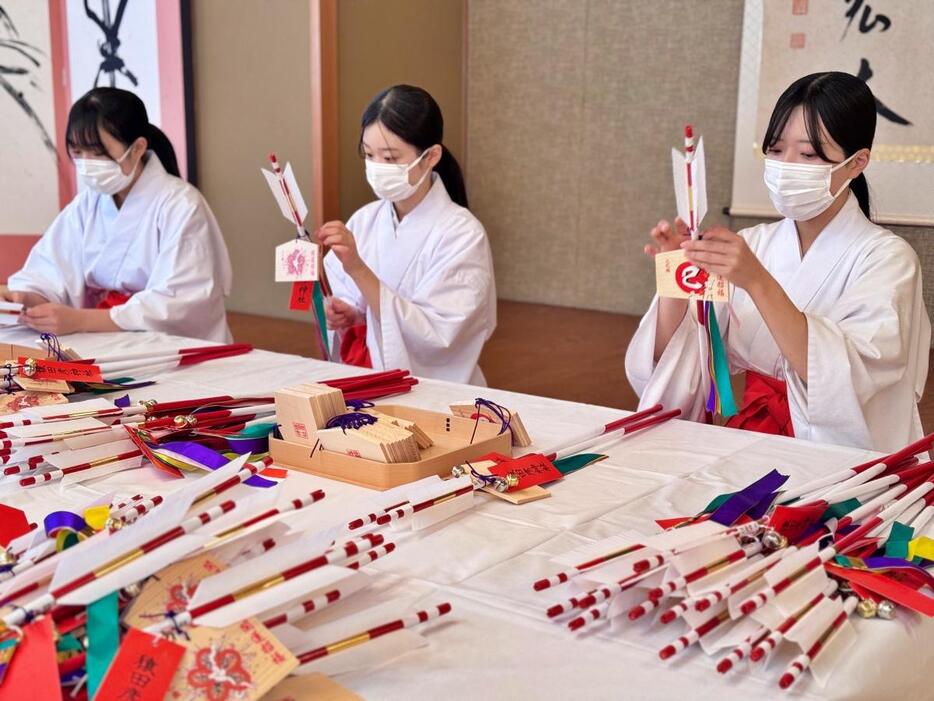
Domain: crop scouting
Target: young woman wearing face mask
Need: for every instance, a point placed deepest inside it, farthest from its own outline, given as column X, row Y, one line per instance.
column 830, row 325
column 138, row 248
column 411, row 274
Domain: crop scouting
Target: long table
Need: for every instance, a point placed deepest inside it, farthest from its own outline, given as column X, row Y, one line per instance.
column 497, row 643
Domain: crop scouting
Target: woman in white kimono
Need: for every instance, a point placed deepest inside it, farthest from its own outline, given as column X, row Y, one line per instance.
column 138, row 248
column 412, row 273
column 830, row 325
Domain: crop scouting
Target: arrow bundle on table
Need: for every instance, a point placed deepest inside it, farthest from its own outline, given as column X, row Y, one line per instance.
column 275, row 573
column 374, row 385
column 564, row 458
column 89, row 439
column 759, row 568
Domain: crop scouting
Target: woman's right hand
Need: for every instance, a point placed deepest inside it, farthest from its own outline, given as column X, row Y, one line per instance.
column 27, row 299
column 341, row 315
column 666, row 238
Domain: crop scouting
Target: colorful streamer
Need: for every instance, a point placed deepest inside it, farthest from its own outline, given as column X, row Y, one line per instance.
column 721, row 387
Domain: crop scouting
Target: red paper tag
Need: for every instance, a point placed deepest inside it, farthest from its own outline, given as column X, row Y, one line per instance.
column 666, row 523
column 887, row 588
column 67, row 372
column 13, row 524
column 143, row 668
column 301, row 296
column 493, row 457
column 33, row 673
column 794, row 521
column 530, row 469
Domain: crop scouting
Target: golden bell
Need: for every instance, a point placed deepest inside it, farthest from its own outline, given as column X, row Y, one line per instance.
column 30, row 367
column 180, row 421
column 147, row 403
column 867, row 608
column 773, row 540
column 512, row 479
column 113, row 524
column 6, row 557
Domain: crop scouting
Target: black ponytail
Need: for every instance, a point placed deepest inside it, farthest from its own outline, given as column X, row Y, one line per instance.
column 452, row 177
column 413, row 115
column 163, row 148
column 846, row 108
column 122, row 115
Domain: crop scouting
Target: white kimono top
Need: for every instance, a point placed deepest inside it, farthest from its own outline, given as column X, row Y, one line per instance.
column 437, row 292
column 163, row 247
column 868, row 336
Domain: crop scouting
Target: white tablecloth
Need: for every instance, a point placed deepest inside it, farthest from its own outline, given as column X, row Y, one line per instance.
column 497, row 643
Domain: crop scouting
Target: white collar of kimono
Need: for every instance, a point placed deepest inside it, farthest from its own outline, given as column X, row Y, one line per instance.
column 153, row 172
column 426, row 210
column 844, row 231
column 840, row 227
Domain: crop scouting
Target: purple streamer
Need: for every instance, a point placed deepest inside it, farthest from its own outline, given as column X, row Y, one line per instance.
column 211, row 459
column 57, row 520
column 242, row 446
column 889, row 563
column 122, row 402
column 748, row 498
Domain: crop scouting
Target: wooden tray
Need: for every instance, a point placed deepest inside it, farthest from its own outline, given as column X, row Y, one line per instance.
column 451, row 436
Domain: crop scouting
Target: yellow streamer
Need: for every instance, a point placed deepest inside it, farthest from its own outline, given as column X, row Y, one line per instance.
column 923, row 547
column 97, row 516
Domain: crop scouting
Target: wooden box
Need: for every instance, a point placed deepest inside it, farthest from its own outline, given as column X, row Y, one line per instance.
column 452, row 446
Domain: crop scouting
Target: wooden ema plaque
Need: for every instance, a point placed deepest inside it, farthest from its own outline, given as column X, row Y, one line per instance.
column 452, row 446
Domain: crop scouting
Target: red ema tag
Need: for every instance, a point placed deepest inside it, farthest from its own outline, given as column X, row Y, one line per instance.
column 69, row 372
column 794, row 521
column 33, row 672
column 143, row 668
column 530, row 469
column 13, row 524
column 301, row 296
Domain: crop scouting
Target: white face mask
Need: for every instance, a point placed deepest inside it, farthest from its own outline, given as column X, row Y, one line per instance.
column 390, row 181
column 801, row 191
column 104, row 175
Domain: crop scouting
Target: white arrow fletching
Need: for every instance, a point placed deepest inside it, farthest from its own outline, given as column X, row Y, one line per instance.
column 317, row 580
column 276, row 190
column 135, row 571
column 295, row 192
column 699, row 172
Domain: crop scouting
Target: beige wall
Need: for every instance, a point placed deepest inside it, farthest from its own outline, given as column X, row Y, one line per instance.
column 385, row 42
column 252, row 96
column 573, row 107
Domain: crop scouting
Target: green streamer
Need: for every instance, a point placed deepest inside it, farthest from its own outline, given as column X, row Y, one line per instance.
column 716, row 503
column 67, row 643
column 572, row 463
column 103, row 639
column 256, row 431
column 840, row 509
column 897, row 543
column 318, row 300
column 721, row 368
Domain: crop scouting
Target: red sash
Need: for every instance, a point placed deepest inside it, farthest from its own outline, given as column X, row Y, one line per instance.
column 110, row 299
column 765, row 407
column 353, row 347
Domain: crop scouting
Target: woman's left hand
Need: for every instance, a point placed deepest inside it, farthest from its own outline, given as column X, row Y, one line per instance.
column 725, row 253
column 54, row 318
column 339, row 238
